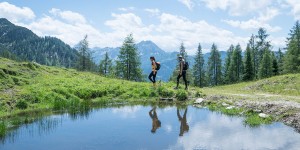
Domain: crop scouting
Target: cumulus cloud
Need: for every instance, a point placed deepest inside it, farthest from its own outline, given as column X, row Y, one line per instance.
column 255, row 23
column 295, row 4
column 14, row 13
column 127, row 9
column 237, row 7
column 153, row 12
column 68, row 16
column 188, row 3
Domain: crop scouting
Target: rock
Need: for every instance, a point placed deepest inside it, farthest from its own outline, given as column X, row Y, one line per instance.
column 229, row 107
column 225, row 104
column 257, row 110
column 199, row 101
column 262, row 115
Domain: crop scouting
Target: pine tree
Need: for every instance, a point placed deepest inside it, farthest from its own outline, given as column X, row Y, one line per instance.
column 214, row 72
column 280, row 61
column 255, row 55
column 236, row 65
column 85, row 62
column 275, row 68
column 105, row 66
column 262, row 43
column 248, row 71
column 292, row 57
column 128, row 63
column 227, row 65
column 198, row 69
column 265, row 69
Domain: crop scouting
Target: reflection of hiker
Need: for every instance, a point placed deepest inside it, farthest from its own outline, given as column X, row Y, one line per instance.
column 155, row 122
column 153, row 73
column 182, row 72
column 184, row 127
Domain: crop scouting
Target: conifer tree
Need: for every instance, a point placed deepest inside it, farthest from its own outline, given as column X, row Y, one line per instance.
column 292, row 57
column 214, row 72
column 280, row 61
column 85, row 62
column 105, row 66
column 255, row 55
column 227, row 72
column 265, row 68
column 248, row 71
column 275, row 68
column 198, row 69
column 128, row 63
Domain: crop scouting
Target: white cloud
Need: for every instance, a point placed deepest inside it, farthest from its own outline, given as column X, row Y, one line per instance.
column 68, row 16
column 14, row 13
column 295, row 4
column 255, row 23
column 237, row 7
column 153, row 12
column 127, row 9
column 188, row 3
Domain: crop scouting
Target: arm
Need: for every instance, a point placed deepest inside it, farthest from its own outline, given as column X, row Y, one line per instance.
column 181, row 68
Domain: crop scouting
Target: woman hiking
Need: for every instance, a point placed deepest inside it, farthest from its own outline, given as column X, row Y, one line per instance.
column 153, row 73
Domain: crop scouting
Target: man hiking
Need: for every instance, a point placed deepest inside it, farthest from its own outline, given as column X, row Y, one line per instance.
column 153, row 73
column 182, row 72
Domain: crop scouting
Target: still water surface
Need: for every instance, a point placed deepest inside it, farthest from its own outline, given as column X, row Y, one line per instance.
column 142, row 127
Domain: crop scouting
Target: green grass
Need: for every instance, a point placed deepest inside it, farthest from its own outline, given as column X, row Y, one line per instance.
column 251, row 118
column 29, row 86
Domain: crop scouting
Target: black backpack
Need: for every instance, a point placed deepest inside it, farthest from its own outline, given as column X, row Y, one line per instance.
column 186, row 65
column 157, row 65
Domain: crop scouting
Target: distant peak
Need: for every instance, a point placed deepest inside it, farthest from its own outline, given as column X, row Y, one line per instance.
column 4, row 21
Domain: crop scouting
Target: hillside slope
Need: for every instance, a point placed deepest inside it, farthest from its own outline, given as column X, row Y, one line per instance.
column 27, row 86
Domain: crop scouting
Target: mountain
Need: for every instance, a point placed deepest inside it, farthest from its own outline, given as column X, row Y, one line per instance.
column 146, row 49
column 22, row 44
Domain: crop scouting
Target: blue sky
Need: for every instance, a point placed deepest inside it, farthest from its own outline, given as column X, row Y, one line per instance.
column 165, row 22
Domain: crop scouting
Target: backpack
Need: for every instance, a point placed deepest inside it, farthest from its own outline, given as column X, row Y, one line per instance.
column 157, row 65
column 186, row 66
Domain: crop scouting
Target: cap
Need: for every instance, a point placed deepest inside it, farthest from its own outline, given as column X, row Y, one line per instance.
column 179, row 56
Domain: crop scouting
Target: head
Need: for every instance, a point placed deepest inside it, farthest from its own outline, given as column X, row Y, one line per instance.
column 152, row 58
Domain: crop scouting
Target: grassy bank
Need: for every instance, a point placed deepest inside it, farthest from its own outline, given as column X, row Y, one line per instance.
column 29, row 86
column 284, row 87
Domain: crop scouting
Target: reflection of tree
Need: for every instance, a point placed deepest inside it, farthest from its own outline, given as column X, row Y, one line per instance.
column 184, row 127
column 155, row 122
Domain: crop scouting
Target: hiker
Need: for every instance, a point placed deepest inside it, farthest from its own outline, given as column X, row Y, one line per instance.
column 155, row 122
column 182, row 72
column 184, row 127
column 153, row 73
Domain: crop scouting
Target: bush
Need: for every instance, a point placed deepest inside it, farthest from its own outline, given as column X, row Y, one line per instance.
column 198, row 94
column 165, row 92
column 2, row 129
column 182, row 95
column 22, row 104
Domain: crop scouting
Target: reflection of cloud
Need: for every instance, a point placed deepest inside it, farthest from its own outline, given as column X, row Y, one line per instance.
column 168, row 128
column 229, row 133
column 127, row 111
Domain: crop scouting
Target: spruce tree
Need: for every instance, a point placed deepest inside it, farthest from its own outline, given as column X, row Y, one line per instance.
column 236, row 65
column 198, row 69
column 255, row 55
column 227, row 72
column 262, row 43
column 292, row 57
column 214, row 72
column 280, row 61
column 128, row 63
column 275, row 68
column 85, row 62
column 266, row 69
column 105, row 66
column 248, row 70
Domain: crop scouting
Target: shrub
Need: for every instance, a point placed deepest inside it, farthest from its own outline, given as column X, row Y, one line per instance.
column 182, row 95
column 165, row 92
column 22, row 104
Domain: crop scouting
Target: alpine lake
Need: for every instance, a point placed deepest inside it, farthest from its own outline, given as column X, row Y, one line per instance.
column 144, row 127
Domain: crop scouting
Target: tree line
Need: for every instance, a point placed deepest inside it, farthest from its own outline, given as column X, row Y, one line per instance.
column 258, row 61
